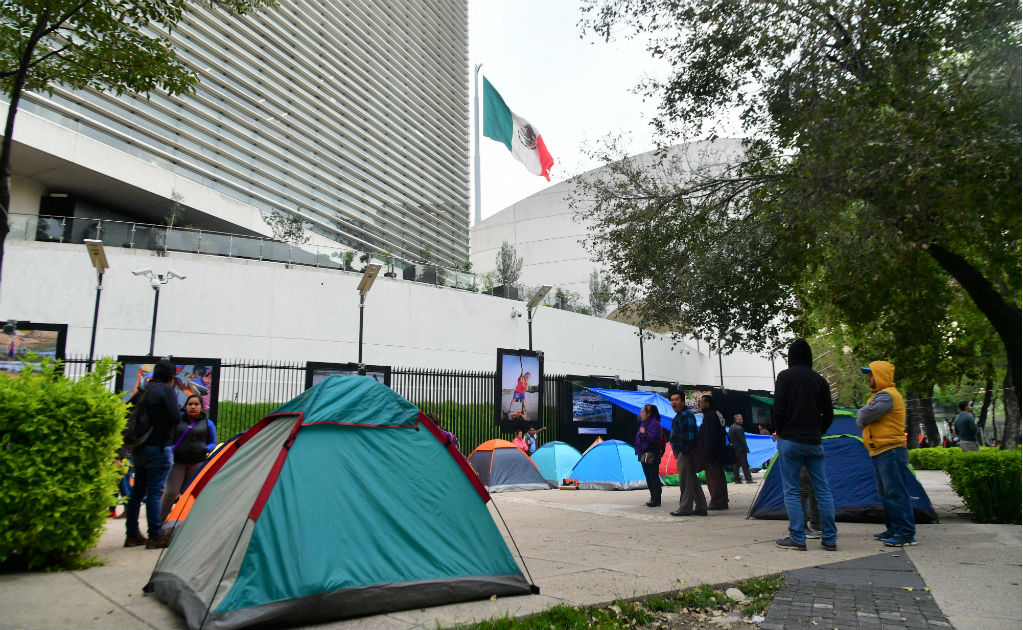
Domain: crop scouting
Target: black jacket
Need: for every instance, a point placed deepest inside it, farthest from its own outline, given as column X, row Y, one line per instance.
column 711, row 436
column 802, row 399
column 162, row 410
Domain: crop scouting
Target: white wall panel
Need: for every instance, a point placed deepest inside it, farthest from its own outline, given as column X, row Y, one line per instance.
column 267, row 311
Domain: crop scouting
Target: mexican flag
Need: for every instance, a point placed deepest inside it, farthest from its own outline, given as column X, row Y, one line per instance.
column 521, row 138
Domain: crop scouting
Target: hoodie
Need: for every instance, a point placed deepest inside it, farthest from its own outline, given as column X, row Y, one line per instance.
column 802, row 398
column 883, row 418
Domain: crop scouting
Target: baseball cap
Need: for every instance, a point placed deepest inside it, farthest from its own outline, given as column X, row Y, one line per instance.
column 865, row 370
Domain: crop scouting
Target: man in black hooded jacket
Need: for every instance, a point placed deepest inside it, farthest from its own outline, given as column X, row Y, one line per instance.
column 802, row 413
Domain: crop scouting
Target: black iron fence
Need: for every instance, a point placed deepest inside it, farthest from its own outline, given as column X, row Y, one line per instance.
column 463, row 400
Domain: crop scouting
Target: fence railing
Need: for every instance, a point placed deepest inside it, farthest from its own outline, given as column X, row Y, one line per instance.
column 463, row 400
column 162, row 239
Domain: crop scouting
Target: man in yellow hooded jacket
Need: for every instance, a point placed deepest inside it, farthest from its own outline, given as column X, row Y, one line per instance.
column 883, row 422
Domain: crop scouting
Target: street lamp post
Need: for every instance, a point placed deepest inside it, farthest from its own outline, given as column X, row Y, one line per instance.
column 156, row 281
column 531, row 306
column 99, row 261
column 368, row 276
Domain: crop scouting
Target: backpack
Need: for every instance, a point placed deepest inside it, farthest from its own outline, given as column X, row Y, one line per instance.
column 137, row 429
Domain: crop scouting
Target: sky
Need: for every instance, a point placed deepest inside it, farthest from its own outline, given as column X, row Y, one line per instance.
column 575, row 91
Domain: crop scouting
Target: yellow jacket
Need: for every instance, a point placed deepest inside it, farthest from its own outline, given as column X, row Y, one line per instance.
column 883, row 419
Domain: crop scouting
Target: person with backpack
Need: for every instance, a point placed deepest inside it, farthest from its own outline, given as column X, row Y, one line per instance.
column 194, row 437
column 153, row 457
column 649, row 448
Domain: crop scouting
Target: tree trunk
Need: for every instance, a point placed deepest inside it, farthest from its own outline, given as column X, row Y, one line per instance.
column 14, row 98
column 982, row 418
column 1005, row 318
column 1010, row 431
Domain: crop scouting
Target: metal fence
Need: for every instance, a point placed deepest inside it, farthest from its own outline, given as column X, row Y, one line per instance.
column 463, row 400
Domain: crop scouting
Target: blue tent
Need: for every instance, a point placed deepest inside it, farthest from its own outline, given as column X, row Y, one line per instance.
column 610, row 465
column 555, row 461
column 853, row 485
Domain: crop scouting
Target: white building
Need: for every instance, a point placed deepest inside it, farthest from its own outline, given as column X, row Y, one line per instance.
column 353, row 115
column 545, row 233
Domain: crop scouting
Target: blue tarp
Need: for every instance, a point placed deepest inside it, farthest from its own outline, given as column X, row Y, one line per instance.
column 634, row 401
column 761, row 449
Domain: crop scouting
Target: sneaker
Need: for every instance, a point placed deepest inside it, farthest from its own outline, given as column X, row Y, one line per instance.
column 882, row 535
column 813, row 533
column 158, row 542
column 788, row 543
column 899, row 542
column 826, row 547
column 135, row 540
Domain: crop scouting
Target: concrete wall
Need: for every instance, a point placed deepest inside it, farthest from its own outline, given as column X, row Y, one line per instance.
column 240, row 309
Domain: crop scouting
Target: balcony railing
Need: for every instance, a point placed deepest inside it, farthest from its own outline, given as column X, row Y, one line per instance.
column 162, row 239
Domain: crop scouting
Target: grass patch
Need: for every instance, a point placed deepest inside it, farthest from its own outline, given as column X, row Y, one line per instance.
column 626, row 615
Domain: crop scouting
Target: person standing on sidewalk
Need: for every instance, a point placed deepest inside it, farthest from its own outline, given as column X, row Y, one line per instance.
column 737, row 438
column 712, row 452
column 649, row 448
column 883, row 421
column 692, row 501
column 966, row 427
column 153, row 459
column 802, row 413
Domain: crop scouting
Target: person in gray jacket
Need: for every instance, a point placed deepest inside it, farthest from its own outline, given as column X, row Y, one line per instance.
column 966, row 427
column 737, row 438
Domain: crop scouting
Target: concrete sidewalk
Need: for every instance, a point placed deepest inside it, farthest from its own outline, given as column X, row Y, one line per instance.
column 585, row 548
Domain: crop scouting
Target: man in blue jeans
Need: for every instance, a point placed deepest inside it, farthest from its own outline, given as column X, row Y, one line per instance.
column 153, row 459
column 883, row 421
column 802, row 413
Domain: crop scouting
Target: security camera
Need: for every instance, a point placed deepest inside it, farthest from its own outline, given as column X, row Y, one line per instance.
column 173, row 274
column 154, row 282
column 143, row 272
column 516, row 313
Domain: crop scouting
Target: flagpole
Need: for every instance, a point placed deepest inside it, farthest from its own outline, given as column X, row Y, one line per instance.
column 476, row 157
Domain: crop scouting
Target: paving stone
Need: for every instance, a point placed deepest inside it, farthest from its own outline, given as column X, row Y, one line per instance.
column 875, row 593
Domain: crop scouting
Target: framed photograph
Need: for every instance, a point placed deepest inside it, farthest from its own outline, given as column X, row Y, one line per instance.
column 316, row 372
column 588, row 407
column 26, row 339
column 518, row 389
column 193, row 375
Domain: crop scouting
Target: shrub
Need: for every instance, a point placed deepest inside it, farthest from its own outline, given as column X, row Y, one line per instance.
column 989, row 483
column 931, row 458
column 57, row 477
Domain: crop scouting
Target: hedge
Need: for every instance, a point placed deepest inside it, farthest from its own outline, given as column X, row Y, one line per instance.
column 931, row 458
column 57, row 474
column 989, row 482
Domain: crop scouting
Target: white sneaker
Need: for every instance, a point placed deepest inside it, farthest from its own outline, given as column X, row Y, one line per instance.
column 812, row 533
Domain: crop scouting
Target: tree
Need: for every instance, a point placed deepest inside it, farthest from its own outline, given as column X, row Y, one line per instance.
column 289, row 228
column 116, row 45
column 600, row 293
column 882, row 163
column 508, row 264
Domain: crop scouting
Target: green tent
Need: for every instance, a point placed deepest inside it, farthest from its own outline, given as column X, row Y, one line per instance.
column 346, row 501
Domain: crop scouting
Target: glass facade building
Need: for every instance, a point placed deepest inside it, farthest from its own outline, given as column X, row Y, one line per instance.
column 352, row 114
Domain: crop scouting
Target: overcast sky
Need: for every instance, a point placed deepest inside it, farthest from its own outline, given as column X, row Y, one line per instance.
column 575, row 91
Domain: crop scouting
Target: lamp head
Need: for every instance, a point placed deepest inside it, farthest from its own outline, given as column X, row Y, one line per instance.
column 155, row 282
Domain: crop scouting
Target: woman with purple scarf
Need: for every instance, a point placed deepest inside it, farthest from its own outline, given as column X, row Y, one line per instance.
column 649, row 448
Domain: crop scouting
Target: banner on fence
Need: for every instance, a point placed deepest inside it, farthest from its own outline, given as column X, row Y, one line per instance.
column 20, row 340
column 316, row 372
column 518, row 389
column 193, row 376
